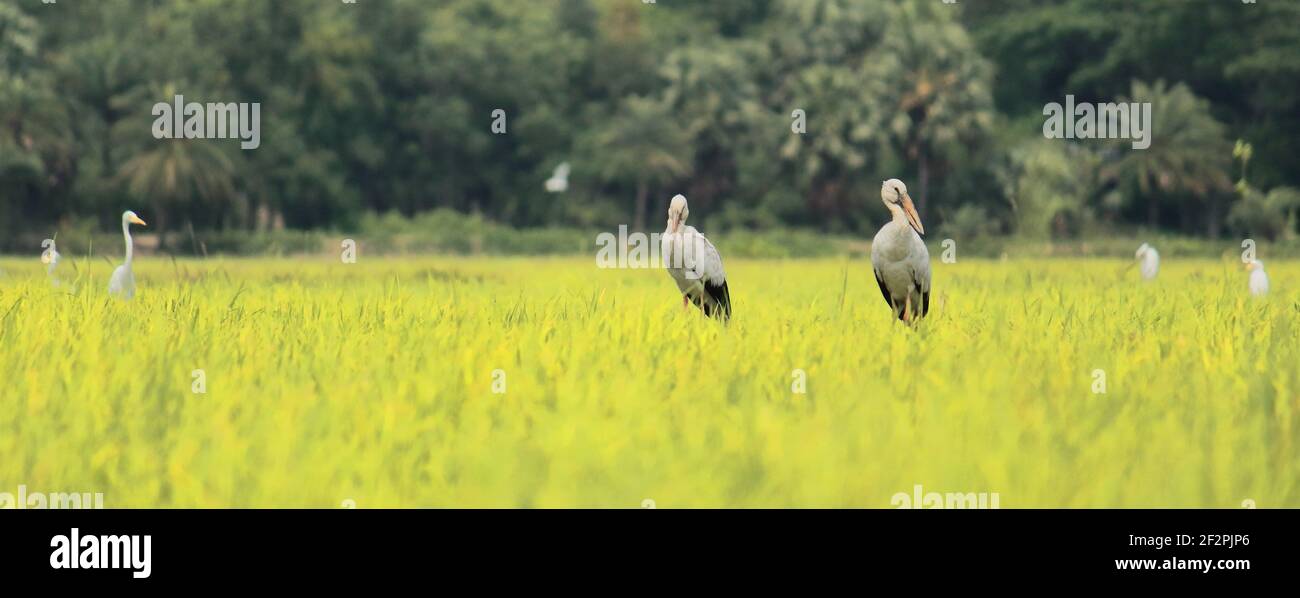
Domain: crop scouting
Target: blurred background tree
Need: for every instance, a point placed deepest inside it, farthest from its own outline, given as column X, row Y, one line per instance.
column 385, row 106
column 933, row 89
column 647, row 148
column 1188, row 160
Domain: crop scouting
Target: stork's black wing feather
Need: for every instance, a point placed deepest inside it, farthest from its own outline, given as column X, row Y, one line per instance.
column 883, row 291
column 925, row 295
column 894, row 305
column 721, row 296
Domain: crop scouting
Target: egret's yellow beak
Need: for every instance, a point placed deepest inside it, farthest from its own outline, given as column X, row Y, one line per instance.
column 136, row 220
column 912, row 217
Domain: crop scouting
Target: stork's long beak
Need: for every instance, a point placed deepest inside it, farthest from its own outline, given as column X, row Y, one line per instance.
column 137, row 220
column 676, row 220
column 912, row 217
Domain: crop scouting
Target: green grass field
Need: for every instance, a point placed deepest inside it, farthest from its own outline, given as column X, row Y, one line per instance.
column 374, row 382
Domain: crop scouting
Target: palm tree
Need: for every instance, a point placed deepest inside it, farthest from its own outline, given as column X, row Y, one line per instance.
column 37, row 156
column 934, row 84
column 99, row 76
column 645, row 146
column 172, row 172
column 1190, row 155
column 814, row 65
column 711, row 89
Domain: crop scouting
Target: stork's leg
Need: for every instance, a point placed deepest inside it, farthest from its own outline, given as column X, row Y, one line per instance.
column 685, row 303
column 907, row 307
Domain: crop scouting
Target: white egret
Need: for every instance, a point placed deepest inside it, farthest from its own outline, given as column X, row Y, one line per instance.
column 694, row 264
column 1258, row 279
column 1148, row 261
column 50, row 257
column 559, row 181
column 122, row 284
column 899, row 257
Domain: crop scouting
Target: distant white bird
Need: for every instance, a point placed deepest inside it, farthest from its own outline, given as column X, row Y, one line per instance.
column 899, row 257
column 1148, row 261
column 122, row 284
column 559, row 181
column 1258, row 279
column 50, row 257
column 694, row 264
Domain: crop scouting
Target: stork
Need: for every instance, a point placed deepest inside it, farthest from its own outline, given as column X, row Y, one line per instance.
column 694, row 264
column 899, row 257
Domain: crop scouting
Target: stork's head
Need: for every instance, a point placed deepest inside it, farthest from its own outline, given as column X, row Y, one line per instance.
column 677, row 213
column 1142, row 251
column 1254, row 265
column 129, row 217
column 894, row 193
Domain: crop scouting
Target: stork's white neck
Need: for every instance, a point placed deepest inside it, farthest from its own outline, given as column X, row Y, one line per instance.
column 897, row 212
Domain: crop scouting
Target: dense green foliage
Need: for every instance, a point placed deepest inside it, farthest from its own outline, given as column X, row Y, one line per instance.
column 386, row 105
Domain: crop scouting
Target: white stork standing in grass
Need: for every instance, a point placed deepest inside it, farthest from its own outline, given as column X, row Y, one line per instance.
column 1258, row 279
column 1148, row 260
column 899, row 257
column 694, row 264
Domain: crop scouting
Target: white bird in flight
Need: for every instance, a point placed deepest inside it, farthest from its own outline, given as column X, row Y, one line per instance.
column 559, row 181
column 899, row 257
column 1258, row 279
column 122, row 284
column 1148, row 261
column 694, row 263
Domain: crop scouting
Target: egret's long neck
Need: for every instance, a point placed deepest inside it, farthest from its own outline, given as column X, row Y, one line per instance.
column 126, row 234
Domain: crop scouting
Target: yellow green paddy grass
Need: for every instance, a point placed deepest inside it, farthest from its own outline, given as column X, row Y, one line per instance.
column 376, row 382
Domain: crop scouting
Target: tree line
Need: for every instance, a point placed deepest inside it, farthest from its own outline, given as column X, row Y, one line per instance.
column 765, row 113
